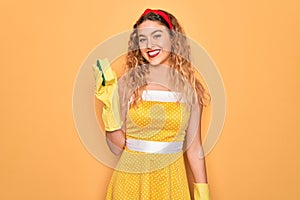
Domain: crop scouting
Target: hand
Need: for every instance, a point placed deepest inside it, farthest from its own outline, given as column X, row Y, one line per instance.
column 108, row 94
column 98, row 76
column 201, row 191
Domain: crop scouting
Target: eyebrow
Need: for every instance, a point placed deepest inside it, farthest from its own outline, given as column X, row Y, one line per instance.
column 141, row 35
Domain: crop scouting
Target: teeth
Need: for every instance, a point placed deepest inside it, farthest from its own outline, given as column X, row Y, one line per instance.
column 152, row 53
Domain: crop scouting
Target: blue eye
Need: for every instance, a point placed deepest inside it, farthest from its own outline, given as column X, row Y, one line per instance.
column 141, row 40
column 157, row 36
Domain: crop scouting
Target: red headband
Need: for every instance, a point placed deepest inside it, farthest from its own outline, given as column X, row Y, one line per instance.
column 160, row 13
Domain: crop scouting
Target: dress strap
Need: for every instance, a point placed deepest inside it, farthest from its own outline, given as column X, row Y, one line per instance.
column 154, row 146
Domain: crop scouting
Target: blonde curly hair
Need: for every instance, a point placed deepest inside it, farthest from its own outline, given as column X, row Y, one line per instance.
column 137, row 67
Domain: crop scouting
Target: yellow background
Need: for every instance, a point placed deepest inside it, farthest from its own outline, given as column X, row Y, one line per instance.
column 255, row 45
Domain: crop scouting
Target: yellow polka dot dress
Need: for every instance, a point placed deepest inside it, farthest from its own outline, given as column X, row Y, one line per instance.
column 151, row 165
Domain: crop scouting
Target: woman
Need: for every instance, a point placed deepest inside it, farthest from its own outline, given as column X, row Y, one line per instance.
column 152, row 114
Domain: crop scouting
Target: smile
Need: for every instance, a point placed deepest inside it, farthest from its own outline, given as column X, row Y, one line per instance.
column 153, row 53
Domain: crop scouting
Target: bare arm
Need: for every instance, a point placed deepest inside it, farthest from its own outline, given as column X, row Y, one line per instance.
column 195, row 153
column 196, row 159
column 116, row 141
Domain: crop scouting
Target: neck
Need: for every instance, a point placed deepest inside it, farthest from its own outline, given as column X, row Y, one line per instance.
column 160, row 74
column 161, row 69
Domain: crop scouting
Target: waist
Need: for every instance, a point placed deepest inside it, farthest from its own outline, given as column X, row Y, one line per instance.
column 154, row 146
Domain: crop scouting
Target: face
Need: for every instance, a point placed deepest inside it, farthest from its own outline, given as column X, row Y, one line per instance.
column 154, row 42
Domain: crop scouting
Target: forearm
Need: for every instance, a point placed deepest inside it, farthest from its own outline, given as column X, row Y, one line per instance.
column 197, row 163
column 116, row 141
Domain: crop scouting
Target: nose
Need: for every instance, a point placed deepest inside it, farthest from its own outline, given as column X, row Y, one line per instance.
column 149, row 43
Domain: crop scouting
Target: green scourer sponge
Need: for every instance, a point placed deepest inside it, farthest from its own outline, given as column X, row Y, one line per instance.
column 103, row 77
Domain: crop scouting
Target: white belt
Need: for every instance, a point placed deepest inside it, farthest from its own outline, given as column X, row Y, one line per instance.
column 153, row 146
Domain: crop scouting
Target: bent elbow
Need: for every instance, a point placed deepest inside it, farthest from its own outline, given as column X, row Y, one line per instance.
column 114, row 148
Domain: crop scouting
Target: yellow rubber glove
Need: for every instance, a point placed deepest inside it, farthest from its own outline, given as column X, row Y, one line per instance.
column 108, row 94
column 201, row 191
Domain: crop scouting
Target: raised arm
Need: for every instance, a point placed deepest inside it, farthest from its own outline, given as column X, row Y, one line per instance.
column 107, row 91
column 116, row 139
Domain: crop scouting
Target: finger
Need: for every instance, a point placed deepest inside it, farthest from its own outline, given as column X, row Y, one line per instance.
column 94, row 68
column 104, row 63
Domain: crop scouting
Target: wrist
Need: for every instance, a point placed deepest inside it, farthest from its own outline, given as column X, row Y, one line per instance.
column 201, row 191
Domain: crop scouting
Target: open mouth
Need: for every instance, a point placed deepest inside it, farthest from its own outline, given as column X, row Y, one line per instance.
column 153, row 53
